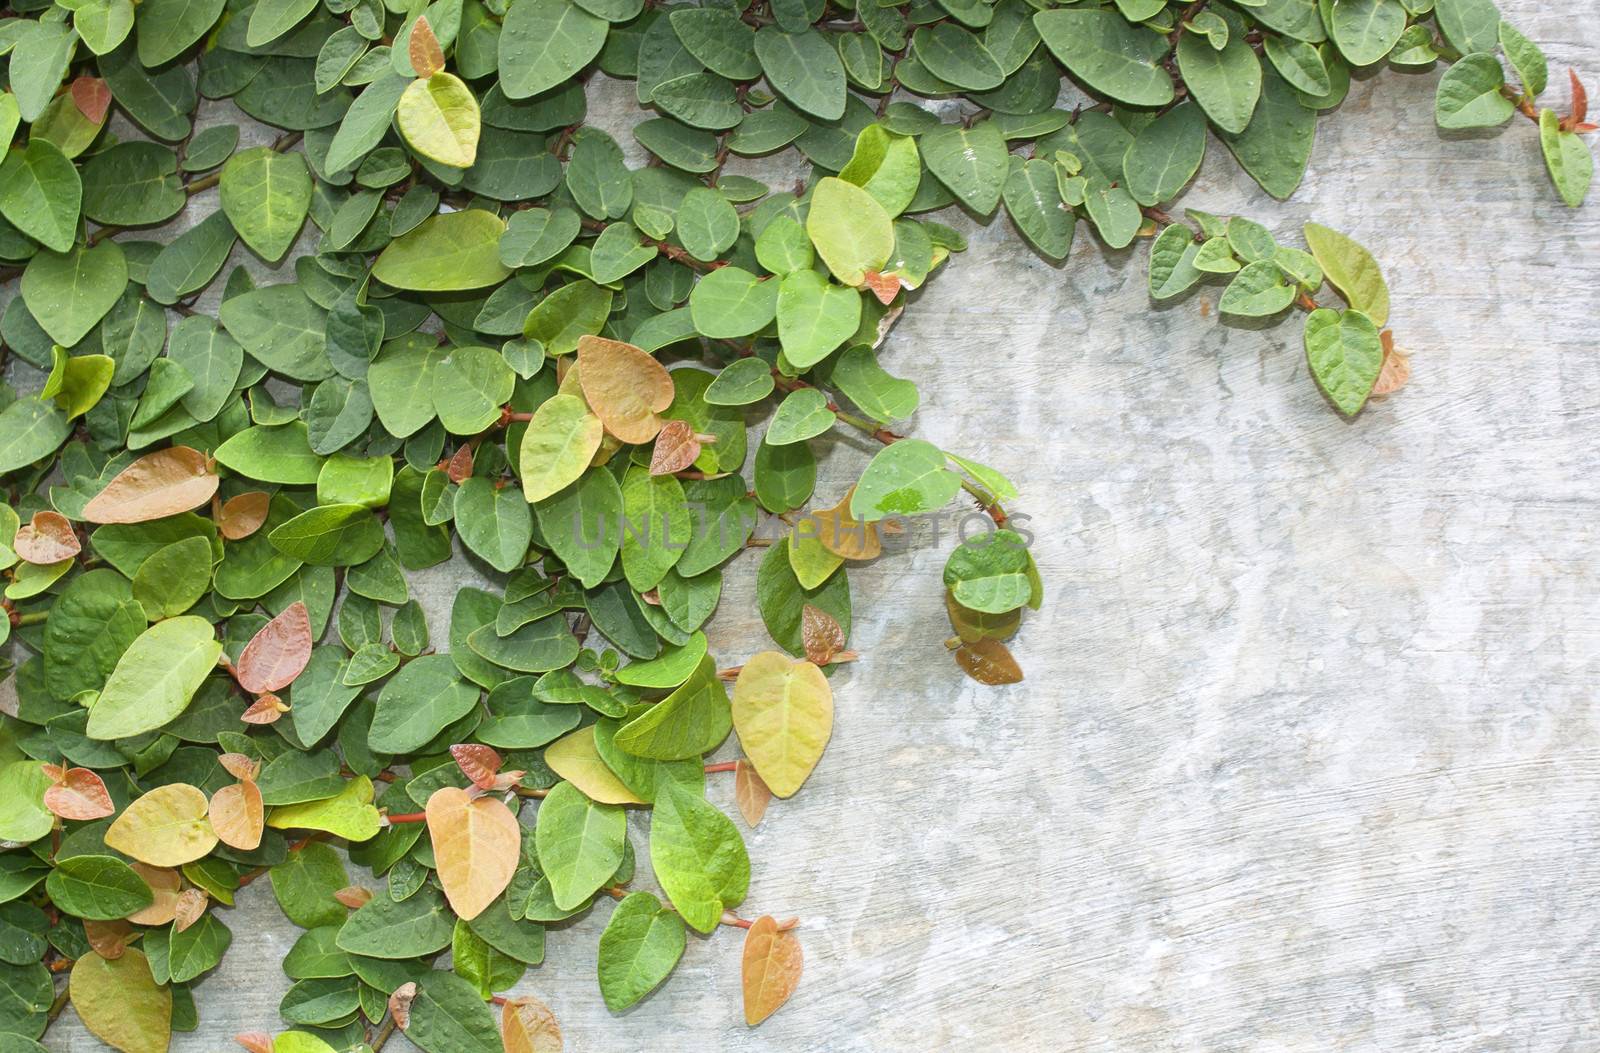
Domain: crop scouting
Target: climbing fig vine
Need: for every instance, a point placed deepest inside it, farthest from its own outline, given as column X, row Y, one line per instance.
column 226, row 441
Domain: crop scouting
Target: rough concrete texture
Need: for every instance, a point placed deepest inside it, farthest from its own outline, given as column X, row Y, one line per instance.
column 1307, row 757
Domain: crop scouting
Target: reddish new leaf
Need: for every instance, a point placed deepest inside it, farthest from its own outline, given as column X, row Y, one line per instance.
column 79, row 794
column 750, row 792
column 821, row 634
column 155, row 486
column 265, row 710
column 459, row 468
column 190, row 908
column 1393, row 374
column 243, row 514
column 354, row 896
column 276, row 654
column 477, row 762
column 676, row 448
column 528, row 1026
column 427, row 58
column 400, row 1004
column 884, row 286
column 988, row 662
column 109, row 938
column 240, row 766
column 92, row 98
column 771, row 969
column 1580, row 98
column 47, row 538
column 254, row 1041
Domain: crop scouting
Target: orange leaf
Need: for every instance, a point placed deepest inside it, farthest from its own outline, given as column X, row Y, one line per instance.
column 92, row 98
column 237, row 815
column 821, row 633
column 989, row 662
column 459, row 470
column 884, row 286
column 164, row 882
column 840, row 534
column 1394, row 373
column 109, row 938
column 476, row 844
column 400, row 1004
column 478, row 763
column 771, row 969
column 427, row 58
column 47, row 538
column 1580, row 98
column 276, row 654
column 354, row 896
column 240, row 766
column 624, row 386
column 155, row 486
column 528, row 1026
column 190, row 908
column 79, row 794
column 264, row 710
column 254, row 1041
column 242, row 515
column 750, row 792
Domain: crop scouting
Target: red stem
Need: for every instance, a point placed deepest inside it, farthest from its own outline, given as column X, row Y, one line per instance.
column 722, row 766
column 409, row 817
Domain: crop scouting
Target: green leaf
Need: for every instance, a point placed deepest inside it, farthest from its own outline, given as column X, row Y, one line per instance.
column 418, row 925
column 330, row 535
column 658, row 526
column 1567, row 157
column 731, row 302
column 564, row 317
column 1166, row 155
column 470, row 386
column 544, row 42
column 1345, row 355
column 448, row 1015
column 167, row 28
column 41, row 193
column 863, row 381
column 1469, row 94
column 639, row 949
column 904, row 478
column 174, row 578
column 971, row 162
column 282, row 328
column 580, row 843
column 698, row 857
column 1033, row 201
column 1366, row 30
column 1226, row 83
column 1352, row 270
column 423, row 699
column 494, row 523
column 155, row 678
column 851, row 231
column 366, row 121
column 39, row 61
column 707, row 223
column 956, row 55
column 279, row 454
column 804, row 68
column 802, row 415
column 1259, row 290
column 1109, row 54
column 1533, row 69
column 582, row 525
column 23, row 816
column 814, row 317
column 439, row 118
column 1276, row 145
column 990, row 573
column 266, row 196
column 1301, row 64
column 1172, row 256
column 689, row 722
column 271, row 19
column 97, row 887
column 557, row 446
column 69, row 292
column 1469, row 25
column 446, row 253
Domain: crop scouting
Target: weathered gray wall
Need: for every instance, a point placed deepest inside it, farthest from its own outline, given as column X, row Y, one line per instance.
column 1308, row 755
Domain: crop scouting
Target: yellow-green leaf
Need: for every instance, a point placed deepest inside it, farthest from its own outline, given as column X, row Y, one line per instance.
column 783, row 712
column 560, row 442
column 439, row 118
column 121, row 1003
column 349, row 814
column 167, row 827
column 575, row 759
